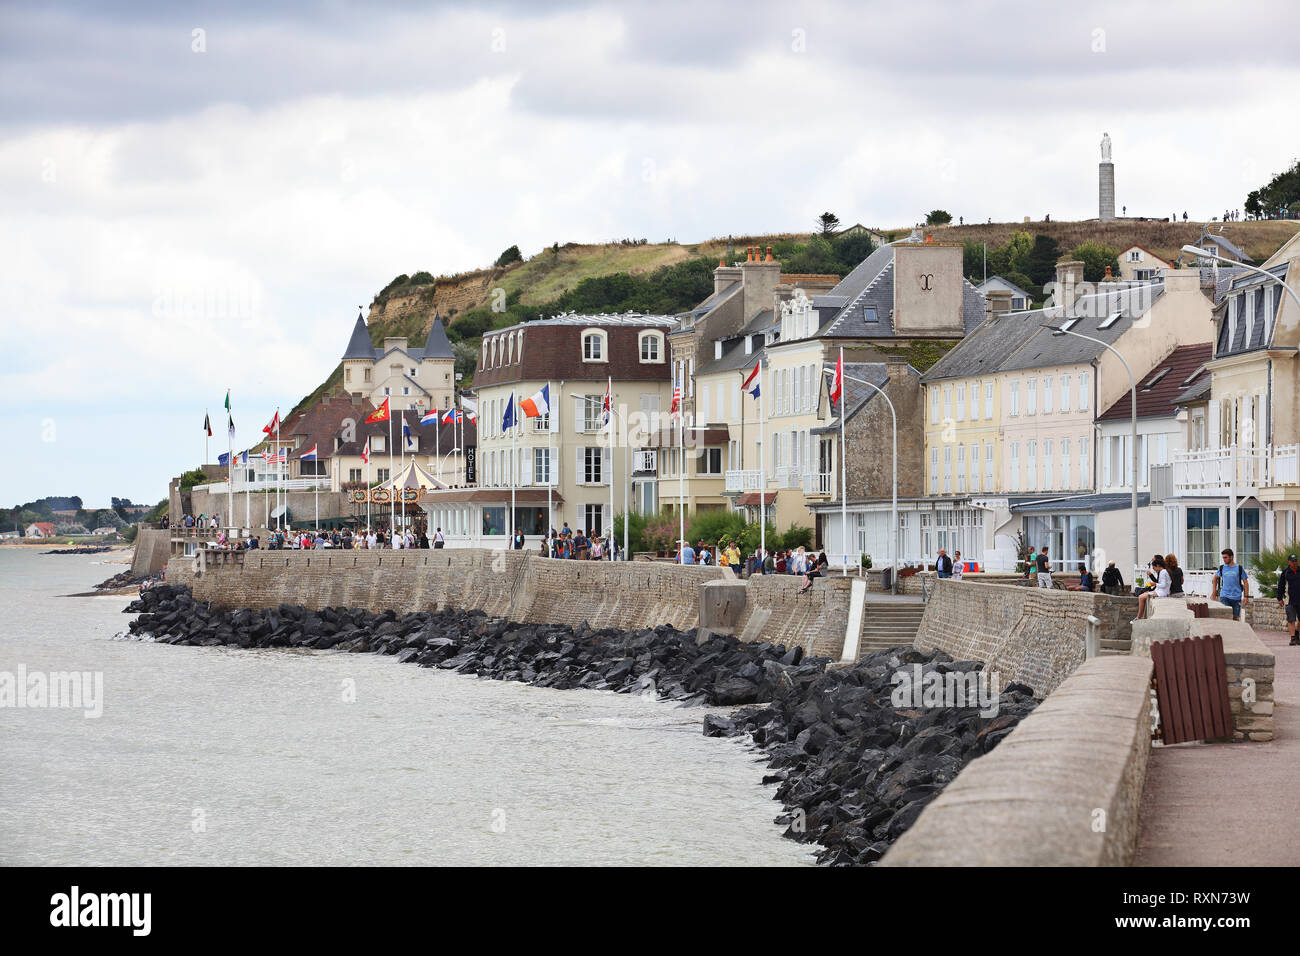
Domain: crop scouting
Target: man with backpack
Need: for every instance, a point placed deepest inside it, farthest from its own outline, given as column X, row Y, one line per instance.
column 1288, row 584
column 1231, row 586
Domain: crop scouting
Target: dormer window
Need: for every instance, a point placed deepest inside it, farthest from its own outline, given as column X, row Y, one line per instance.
column 1110, row 320
column 652, row 347
column 593, row 346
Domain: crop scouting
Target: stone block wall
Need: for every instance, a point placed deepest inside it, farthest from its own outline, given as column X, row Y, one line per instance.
column 520, row 585
column 1079, row 760
column 152, row 550
column 1031, row 635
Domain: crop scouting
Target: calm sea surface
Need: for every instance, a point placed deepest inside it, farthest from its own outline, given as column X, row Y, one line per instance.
column 226, row 757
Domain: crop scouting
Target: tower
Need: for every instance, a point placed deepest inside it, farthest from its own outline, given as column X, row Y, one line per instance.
column 1105, row 182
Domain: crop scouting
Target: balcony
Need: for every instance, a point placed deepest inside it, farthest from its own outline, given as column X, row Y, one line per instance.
column 645, row 461
column 788, row 476
column 1215, row 472
column 819, row 484
column 738, row 482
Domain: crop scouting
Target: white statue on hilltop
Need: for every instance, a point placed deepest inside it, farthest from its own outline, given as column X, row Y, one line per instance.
column 1105, row 147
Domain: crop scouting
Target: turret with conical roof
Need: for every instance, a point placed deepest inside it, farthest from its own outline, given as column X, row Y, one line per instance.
column 359, row 345
column 409, row 377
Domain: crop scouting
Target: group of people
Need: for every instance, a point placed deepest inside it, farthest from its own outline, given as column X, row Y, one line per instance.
column 579, row 545
column 370, row 539
column 200, row 521
column 794, row 561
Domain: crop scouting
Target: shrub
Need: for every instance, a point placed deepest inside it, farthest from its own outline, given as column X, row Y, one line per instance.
column 1268, row 566
column 195, row 476
column 510, row 255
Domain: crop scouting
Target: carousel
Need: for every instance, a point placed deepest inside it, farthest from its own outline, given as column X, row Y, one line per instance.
column 401, row 495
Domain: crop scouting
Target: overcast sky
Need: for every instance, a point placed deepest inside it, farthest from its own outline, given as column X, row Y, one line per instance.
column 196, row 199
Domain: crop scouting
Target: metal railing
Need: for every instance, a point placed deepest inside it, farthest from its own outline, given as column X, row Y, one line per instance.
column 751, row 479
column 1216, row 471
column 819, row 483
column 289, row 484
column 788, row 476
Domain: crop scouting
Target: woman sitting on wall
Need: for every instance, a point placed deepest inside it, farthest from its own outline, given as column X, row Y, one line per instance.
column 816, row 571
column 1163, row 584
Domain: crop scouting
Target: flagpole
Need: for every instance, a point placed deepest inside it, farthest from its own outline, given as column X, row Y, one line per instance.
column 844, row 502
column 609, row 390
column 230, row 464
column 392, row 505
column 681, row 480
column 248, row 495
column 403, row 435
column 437, row 440
column 762, row 467
column 514, row 467
column 207, row 436
column 550, row 466
column 368, row 484
column 279, row 474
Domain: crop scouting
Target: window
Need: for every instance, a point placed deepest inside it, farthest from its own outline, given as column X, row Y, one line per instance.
column 1015, row 466
column 1047, row 395
column 1048, row 482
column 381, row 474
column 1031, row 397
column 593, row 346
column 934, row 405
column 592, row 519
column 1031, row 466
column 592, row 460
column 975, row 401
column 1110, row 320
column 961, row 469
column 1014, row 402
column 367, row 375
column 947, row 469
column 347, row 374
column 1066, row 481
column 386, row 391
column 1065, row 393
column 709, row 462
column 1135, row 255
column 651, row 347
column 1083, row 391
column 377, row 443
column 355, row 474
column 988, row 400
column 988, row 466
column 541, row 466
column 934, row 471
column 1248, row 536
column 961, row 403
column 1203, row 538
column 947, row 402
column 592, row 410
column 1085, row 476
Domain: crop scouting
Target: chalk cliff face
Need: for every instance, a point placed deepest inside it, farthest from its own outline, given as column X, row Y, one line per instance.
column 410, row 305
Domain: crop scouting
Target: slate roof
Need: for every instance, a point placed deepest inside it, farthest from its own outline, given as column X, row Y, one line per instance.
column 733, row 358
column 1199, row 392
column 1000, row 283
column 436, row 344
column 1226, row 244
column 1159, row 390
column 856, row 395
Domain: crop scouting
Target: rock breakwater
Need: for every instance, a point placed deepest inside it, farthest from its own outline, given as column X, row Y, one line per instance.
column 853, row 770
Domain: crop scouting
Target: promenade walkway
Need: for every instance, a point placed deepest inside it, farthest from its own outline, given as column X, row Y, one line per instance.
column 1230, row 804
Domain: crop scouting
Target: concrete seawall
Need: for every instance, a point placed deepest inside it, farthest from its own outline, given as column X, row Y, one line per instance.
column 1064, row 789
column 1028, row 635
column 522, row 586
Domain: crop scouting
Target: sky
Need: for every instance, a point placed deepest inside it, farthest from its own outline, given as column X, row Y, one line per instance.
column 195, row 198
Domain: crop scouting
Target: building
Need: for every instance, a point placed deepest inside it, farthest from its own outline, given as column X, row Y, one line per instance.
column 1018, row 300
column 560, row 464
column 1010, row 442
column 40, row 529
column 1238, row 484
column 408, row 377
column 1136, row 263
column 1223, row 247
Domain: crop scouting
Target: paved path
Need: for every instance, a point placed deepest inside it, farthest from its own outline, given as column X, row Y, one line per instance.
column 1230, row 804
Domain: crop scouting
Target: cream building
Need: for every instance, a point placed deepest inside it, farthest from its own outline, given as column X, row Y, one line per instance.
column 405, row 375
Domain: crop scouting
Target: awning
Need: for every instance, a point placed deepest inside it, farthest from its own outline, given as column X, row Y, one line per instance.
column 751, row 498
column 495, row 496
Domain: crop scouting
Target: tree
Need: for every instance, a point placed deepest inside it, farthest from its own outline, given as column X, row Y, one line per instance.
column 1279, row 197
column 1095, row 257
column 510, row 255
column 851, row 248
column 1042, row 259
column 827, row 223
column 938, row 217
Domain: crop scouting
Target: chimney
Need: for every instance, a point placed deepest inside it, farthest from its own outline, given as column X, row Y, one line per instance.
column 1069, row 277
column 1107, row 272
column 769, row 255
column 997, row 302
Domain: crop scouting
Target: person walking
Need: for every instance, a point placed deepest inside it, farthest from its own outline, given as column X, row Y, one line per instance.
column 1043, row 566
column 688, row 553
column 1288, row 586
column 1231, row 586
column 943, row 564
column 438, row 540
column 957, row 566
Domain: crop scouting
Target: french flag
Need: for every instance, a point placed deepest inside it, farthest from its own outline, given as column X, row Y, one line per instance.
column 538, row 404
column 309, row 454
column 753, row 377
column 430, row 417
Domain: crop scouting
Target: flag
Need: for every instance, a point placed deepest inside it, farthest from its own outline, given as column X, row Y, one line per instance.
column 753, row 377
column 453, row 415
column 837, row 384
column 508, row 419
column 406, row 430
column 232, row 427
column 471, row 408
column 380, row 414
column 309, row 454
column 430, row 417
column 243, row 457
column 275, row 423
column 537, row 405
column 605, row 406
column 277, row 457
column 223, row 459
column 207, row 425
column 677, row 398
column 227, row 399
column 365, row 451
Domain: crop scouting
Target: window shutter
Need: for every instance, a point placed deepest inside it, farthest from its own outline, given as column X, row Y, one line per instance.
column 606, row 466
column 579, row 475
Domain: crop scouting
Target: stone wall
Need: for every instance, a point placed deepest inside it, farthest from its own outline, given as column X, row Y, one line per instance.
column 1031, row 635
column 868, row 439
column 1063, row 789
column 1264, row 614
column 520, row 585
column 152, row 550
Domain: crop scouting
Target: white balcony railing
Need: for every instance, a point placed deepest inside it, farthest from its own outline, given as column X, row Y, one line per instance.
column 645, row 461
column 1217, row 471
column 788, row 476
column 819, row 483
column 737, row 481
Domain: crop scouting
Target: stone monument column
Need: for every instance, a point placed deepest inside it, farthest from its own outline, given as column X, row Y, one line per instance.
column 1105, row 182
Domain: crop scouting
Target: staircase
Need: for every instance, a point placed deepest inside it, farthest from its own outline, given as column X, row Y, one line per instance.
column 1116, row 647
column 888, row 624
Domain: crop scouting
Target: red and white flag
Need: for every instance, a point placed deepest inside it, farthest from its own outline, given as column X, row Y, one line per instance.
column 677, row 399
column 837, row 384
column 605, row 408
column 275, row 423
column 365, row 451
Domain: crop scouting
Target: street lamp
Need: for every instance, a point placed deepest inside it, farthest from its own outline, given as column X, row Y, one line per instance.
column 1133, row 394
column 893, row 531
